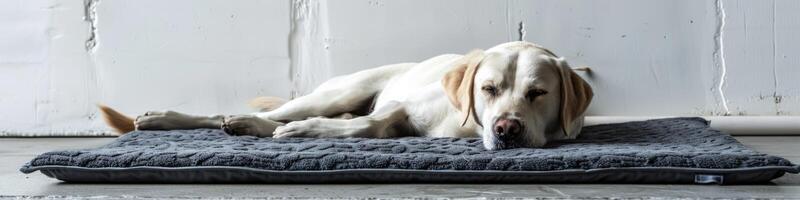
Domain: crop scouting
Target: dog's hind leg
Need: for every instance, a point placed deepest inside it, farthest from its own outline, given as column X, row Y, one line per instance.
column 345, row 94
column 171, row 120
column 387, row 121
column 158, row 120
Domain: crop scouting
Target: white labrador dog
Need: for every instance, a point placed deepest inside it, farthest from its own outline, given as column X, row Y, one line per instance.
column 516, row 94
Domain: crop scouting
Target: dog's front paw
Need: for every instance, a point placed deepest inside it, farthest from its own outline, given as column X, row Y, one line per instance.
column 305, row 128
column 249, row 125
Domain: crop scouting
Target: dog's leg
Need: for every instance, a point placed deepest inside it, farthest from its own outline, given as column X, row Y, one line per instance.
column 340, row 95
column 249, row 125
column 322, row 103
column 171, row 120
column 344, row 94
column 387, row 121
column 317, row 104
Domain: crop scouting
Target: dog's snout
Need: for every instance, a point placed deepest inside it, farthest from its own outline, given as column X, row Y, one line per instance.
column 507, row 128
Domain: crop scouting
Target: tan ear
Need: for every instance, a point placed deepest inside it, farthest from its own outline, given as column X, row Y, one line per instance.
column 576, row 95
column 459, row 84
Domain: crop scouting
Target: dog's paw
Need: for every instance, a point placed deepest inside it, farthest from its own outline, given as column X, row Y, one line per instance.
column 249, row 125
column 166, row 120
column 305, row 128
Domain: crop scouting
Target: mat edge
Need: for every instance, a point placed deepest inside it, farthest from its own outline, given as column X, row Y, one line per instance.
column 790, row 169
column 191, row 175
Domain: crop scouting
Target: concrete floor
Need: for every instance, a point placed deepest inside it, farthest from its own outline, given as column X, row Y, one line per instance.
column 16, row 151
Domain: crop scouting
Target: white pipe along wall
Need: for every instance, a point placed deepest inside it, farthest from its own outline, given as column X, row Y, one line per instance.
column 734, row 125
column 713, row 58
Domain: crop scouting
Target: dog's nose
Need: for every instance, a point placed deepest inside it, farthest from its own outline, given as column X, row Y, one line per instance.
column 507, row 128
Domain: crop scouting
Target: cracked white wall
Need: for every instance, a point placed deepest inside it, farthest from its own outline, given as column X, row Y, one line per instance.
column 683, row 57
column 762, row 57
column 59, row 58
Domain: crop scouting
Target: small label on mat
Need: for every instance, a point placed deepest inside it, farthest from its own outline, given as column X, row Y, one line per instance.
column 708, row 179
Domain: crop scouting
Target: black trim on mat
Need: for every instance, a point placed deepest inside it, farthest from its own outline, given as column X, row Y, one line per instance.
column 223, row 174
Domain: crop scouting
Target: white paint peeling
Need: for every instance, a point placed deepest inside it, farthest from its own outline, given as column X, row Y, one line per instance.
column 90, row 16
column 93, row 85
column 719, row 55
column 308, row 46
column 297, row 11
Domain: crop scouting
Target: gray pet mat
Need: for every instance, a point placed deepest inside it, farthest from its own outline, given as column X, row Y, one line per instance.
column 675, row 150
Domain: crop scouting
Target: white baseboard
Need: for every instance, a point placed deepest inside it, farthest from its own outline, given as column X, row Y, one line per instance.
column 734, row 125
column 88, row 133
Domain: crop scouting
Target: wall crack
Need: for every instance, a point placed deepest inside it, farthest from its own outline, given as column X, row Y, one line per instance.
column 94, row 82
column 297, row 13
column 521, row 31
column 90, row 16
column 776, row 97
column 308, row 46
column 719, row 56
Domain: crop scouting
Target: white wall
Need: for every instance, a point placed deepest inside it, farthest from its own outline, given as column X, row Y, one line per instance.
column 60, row 57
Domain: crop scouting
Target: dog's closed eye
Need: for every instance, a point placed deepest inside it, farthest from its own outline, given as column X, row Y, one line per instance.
column 533, row 93
column 490, row 90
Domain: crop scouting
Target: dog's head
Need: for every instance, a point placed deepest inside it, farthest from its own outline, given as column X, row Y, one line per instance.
column 520, row 93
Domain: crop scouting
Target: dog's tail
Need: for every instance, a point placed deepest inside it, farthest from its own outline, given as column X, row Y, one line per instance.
column 265, row 104
column 118, row 121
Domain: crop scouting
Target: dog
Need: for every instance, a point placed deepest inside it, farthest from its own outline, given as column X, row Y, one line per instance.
column 513, row 95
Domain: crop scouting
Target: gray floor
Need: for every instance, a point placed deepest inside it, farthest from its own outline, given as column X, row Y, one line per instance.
column 16, row 151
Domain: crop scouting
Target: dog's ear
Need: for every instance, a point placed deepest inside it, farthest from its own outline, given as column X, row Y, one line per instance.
column 459, row 84
column 576, row 95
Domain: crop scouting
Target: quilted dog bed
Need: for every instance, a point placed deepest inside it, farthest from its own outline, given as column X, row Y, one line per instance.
column 675, row 150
